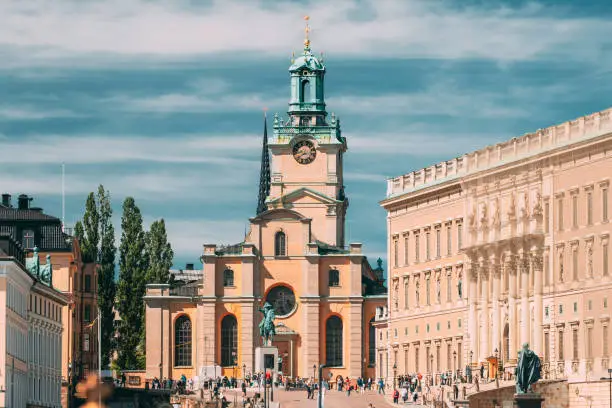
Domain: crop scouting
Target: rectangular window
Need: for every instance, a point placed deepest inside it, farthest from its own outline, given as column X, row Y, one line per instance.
column 590, row 305
column 459, row 350
column 575, row 307
column 560, row 309
column 427, row 354
column 560, row 214
column 604, row 205
column 395, row 255
column 448, row 357
column 589, row 339
column 87, row 314
column 417, row 253
column 427, row 246
column 406, row 243
column 449, row 287
column 575, row 343
column 605, row 302
column 459, row 323
column 561, row 346
column 604, row 255
column 546, row 271
column 28, row 239
column 546, row 311
column 416, row 359
column 605, row 341
column 406, row 302
column 406, row 360
column 438, row 242
column 590, row 208
column 546, row 346
column 449, row 240
column 427, row 294
column 546, row 215
column 459, row 236
column 88, row 283
column 575, row 264
column 575, row 211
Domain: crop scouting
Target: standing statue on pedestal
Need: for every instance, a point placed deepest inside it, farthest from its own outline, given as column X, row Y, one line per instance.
column 527, row 370
column 266, row 327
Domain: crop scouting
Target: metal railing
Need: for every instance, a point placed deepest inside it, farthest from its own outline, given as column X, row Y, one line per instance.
column 187, row 291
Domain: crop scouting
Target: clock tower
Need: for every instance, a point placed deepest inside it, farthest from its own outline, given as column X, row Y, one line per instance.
column 307, row 149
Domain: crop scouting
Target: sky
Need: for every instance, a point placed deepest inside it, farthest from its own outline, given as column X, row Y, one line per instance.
column 162, row 100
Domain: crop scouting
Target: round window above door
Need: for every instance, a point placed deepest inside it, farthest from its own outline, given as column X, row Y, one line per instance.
column 282, row 300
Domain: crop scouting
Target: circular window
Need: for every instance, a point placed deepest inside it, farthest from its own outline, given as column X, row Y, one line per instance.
column 282, row 299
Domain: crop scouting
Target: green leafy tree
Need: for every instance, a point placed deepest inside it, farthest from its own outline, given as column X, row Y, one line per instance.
column 91, row 220
column 159, row 253
column 106, row 275
column 131, row 287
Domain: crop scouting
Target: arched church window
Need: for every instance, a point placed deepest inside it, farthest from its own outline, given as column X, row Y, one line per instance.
column 334, row 277
column 333, row 346
column 372, row 341
column 280, row 244
column 229, row 341
column 305, row 94
column 228, row 277
column 182, row 342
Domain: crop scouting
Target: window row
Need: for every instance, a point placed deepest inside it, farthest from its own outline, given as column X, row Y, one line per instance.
column 425, row 244
column 589, row 307
column 45, row 308
column 586, row 257
column 428, row 328
column 447, row 357
column 583, row 207
column 589, row 344
column 443, row 288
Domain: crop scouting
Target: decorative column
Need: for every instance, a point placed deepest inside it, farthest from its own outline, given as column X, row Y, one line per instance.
column 524, row 276
column 510, row 269
column 472, row 276
column 484, row 334
column 537, row 263
column 495, row 269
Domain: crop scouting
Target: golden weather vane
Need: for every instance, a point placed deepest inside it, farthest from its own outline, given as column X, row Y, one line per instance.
column 307, row 32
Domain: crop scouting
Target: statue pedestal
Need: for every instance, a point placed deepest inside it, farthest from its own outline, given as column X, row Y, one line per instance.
column 529, row 400
column 266, row 357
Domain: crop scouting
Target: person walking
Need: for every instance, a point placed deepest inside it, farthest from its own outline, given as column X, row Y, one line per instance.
column 404, row 394
column 381, row 386
column 395, row 396
column 456, row 391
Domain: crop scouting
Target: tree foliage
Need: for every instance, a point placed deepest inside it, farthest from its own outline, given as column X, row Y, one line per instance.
column 133, row 267
column 159, row 253
column 106, row 275
column 91, row 220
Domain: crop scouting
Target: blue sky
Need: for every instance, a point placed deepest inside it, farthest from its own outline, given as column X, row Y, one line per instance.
column 162, row 100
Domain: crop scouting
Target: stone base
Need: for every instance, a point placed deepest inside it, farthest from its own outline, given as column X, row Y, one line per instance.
column 266, row 354
column 529, row 400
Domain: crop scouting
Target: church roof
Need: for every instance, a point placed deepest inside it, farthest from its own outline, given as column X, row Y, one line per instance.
column 307, row 60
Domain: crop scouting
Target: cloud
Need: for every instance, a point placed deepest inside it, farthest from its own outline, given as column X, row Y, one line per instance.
column 95, row 148
column 69, row 31
column 33, row 113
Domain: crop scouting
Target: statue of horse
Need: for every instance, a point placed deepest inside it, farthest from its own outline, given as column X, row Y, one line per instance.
column 266, row 327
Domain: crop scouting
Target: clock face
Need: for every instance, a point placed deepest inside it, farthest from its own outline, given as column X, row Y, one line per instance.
column 304, row 152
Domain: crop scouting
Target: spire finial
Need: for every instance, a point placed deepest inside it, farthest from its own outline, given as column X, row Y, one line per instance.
column 306, row 32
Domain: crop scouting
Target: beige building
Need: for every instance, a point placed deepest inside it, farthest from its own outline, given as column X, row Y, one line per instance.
column 31, row 330
column 506, row 245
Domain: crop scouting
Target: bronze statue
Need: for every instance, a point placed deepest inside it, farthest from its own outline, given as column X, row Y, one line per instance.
column 266, row 327
column 527, row 370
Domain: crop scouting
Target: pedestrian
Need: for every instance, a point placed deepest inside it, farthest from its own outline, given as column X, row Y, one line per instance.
column 481, row 370
column 381, row 386
column 395, row 396
column 308, row 391
column 456, row 391
column 404, row 394
column 244, row 389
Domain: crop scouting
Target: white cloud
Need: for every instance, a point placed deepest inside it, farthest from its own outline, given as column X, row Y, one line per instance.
column 89, row 149
column 38, row 31
column 32, row 113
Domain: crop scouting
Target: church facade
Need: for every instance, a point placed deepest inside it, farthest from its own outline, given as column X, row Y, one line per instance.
column 294, row 256
column 503, row 246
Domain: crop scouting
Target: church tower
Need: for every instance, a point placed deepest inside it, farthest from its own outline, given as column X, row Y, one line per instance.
column 307, row 150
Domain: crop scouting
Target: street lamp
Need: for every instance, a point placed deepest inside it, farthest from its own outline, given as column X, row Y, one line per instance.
column 244, row 372
column 455, row 362
column 394, row 373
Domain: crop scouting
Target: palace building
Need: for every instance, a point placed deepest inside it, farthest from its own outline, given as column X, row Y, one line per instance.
column 506, row 245
column 294, row 256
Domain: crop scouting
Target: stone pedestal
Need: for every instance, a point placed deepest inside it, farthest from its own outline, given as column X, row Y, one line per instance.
column 529, row 400
column 266, row 357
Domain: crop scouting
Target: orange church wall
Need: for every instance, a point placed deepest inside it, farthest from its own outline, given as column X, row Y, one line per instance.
column 224, row 309
column 294, row 231
column 177, row 310
column 234, row 264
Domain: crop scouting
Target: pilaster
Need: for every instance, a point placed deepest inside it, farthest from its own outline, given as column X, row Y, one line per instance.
column 355, row 343
column 537, row 263
column 247, row 335
column 311, row 344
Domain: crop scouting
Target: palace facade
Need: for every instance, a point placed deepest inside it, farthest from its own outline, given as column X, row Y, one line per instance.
column 506, row 245
column 294, row 256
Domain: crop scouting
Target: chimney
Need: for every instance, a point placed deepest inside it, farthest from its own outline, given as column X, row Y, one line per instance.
column 6, row 200
column 23, row 202
column 189, row 267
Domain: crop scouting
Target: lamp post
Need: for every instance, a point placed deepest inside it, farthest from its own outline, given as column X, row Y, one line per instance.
column 609, row 380
column 314, row 372
column 244, row 372
column 497, row 367
column 455, row 363
column 394, row 373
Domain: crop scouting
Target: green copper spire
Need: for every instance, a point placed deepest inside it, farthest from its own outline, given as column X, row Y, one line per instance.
column 264, row 174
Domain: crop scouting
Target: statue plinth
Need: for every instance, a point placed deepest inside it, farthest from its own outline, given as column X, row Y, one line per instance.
column 266, row 358
column 528, row 400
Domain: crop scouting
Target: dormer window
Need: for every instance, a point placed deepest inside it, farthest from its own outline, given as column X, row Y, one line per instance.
column 280, row 244
column 28, row 239
column 228, row 278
